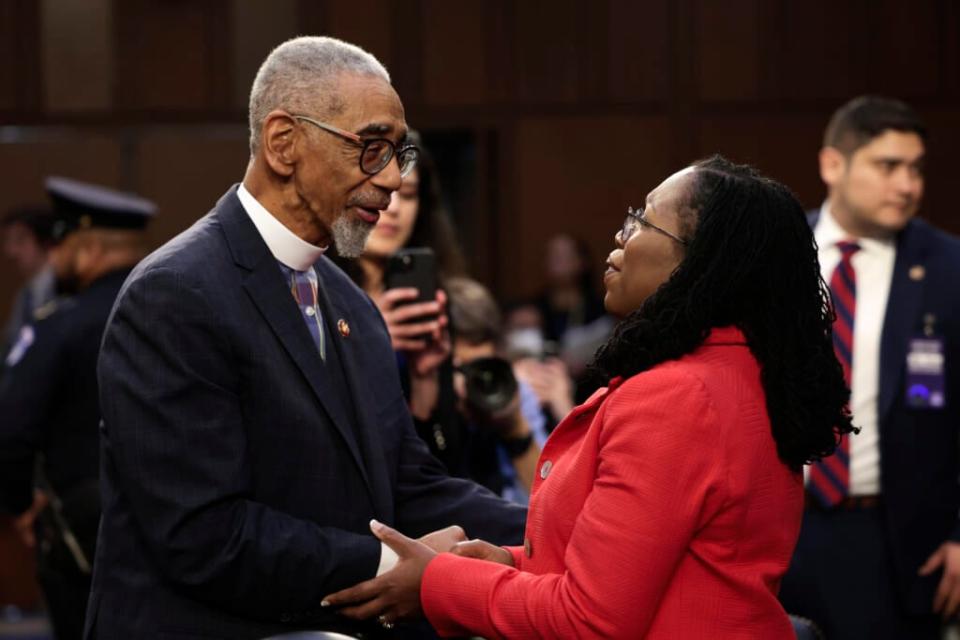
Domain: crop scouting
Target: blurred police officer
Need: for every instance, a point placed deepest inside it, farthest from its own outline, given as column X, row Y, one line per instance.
column 48, row 393
column 26, row 244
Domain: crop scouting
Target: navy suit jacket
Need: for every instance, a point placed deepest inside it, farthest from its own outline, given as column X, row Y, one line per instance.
column 240, row 471
column 919, row 464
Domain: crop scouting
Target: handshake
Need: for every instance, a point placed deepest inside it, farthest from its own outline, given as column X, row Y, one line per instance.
column 395, row 595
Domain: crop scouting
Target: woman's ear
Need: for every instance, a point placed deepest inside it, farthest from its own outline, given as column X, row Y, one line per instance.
column 278, row 142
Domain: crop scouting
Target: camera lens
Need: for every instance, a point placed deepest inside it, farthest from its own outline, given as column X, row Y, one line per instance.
column 490, row 385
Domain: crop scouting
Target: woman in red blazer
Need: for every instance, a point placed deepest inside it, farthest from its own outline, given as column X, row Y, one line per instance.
column 668, row 505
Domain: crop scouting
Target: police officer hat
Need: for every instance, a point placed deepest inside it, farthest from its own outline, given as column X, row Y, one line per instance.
column 80, row 205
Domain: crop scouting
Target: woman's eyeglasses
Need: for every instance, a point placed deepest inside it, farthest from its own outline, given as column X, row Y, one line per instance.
column 635, row 220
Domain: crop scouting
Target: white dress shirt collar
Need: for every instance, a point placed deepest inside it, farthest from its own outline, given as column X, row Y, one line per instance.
column 286, row 246
column 829, row 232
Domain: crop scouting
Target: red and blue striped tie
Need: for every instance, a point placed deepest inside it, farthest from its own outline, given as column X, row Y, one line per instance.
column 830, row 477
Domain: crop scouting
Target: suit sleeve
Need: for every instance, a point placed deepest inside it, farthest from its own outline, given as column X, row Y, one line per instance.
column 175, row 449
column 27, row 390
column 658, row 476
column 429, row 499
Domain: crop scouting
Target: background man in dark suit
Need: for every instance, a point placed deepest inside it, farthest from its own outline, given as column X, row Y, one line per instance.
column 879, row 552
column 253, row 418
column 48, row 395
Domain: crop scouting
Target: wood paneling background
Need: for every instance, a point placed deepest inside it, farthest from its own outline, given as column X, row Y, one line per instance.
column 576, row 107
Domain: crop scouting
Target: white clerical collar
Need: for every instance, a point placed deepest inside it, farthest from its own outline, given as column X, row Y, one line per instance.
column 829, row 232
column 286, row 246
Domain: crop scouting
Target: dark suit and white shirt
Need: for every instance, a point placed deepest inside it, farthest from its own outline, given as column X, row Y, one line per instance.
column 873, row 264
column 855, row 569
column 240, row 469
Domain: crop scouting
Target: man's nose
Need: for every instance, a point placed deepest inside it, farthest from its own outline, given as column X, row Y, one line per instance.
column 389, row 177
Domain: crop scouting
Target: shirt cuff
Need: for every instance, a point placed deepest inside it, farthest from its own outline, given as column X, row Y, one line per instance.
column 388, row 559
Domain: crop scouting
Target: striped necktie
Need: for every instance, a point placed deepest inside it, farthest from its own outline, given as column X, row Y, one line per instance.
column 830, row 477
column 303, row 285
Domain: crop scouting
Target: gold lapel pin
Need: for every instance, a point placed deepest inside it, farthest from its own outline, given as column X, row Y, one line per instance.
column 343, row 327
column 917, row 272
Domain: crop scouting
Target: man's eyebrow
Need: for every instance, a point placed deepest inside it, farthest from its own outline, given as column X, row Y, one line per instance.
column 375, row 128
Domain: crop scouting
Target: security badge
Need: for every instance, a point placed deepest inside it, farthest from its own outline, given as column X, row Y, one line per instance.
column 926, row 382
column 24, row 340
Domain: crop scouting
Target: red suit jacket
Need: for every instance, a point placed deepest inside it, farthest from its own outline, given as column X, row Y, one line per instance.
column 660, row 510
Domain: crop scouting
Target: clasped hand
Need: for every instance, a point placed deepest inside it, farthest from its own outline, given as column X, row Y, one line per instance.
column 395, row 595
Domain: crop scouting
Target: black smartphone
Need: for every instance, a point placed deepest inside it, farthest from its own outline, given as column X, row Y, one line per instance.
column 415, row 267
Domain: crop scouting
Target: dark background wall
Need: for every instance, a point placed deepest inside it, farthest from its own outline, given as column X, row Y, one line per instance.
column 554, row 115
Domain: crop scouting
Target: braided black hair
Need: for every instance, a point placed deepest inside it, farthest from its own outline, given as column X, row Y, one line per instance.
column 751, row 262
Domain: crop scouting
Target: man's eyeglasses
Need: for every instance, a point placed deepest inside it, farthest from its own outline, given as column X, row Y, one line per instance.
column 635, row 220
column 376, row 153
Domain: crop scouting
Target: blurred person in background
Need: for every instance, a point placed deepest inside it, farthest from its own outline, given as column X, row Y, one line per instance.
column 26, row 243
column 500, row 414
column 562, row 327
column 668, row 505
column 417, row 217
column 879, row 552
column 48, row 395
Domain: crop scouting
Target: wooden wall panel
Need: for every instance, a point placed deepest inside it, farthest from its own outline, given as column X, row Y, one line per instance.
column 556, row 57
column 728, row 53
column 815, row 51
column 785, row 147
column 365, row 23
column 638, row 58
column 578, row 175
column 903, row 46
column 454, row 52
column 173, row 55
column 20, row 76
column 78, row 55
column 185, row 170
column 940, row 200
column 259, row 26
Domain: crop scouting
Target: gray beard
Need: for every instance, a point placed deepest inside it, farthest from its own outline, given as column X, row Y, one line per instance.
column 350, row 236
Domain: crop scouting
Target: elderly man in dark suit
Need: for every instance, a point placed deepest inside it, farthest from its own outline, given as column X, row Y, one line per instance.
column 254, row 423
column 879, row 552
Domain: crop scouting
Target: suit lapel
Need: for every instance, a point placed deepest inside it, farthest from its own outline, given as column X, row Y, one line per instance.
column 346, row 343
column 264, row 284
column 903, row 309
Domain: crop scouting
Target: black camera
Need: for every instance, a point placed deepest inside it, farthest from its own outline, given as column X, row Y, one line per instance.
column 490, row 387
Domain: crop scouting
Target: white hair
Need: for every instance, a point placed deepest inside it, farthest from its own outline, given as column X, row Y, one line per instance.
column 299, row 76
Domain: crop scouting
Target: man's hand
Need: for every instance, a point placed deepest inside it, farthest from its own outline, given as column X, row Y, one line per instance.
column 395, row 595
column 482, row 550
column 23, row 524
column 947, row 599
column 444, row 539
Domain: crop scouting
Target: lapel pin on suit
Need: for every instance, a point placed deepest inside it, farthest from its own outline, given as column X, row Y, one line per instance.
column 343, row 327
column 917, row 272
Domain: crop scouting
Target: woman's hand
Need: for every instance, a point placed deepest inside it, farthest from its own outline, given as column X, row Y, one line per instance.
column 415, row 336
column 482, row 550
column 444, row 539
column 394, row 595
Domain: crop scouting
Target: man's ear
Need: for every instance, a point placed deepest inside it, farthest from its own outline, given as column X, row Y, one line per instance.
column 278, row 139
column 833, row 164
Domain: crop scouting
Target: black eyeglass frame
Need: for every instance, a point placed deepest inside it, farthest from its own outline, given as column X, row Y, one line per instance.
column 635, row 220
column 366, row 143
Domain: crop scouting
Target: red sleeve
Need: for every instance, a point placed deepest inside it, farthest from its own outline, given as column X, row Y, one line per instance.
column 660, row 475
column 517, row 553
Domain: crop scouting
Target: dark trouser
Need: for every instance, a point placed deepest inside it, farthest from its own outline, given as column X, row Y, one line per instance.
column 66, row 591
column 841, row 577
